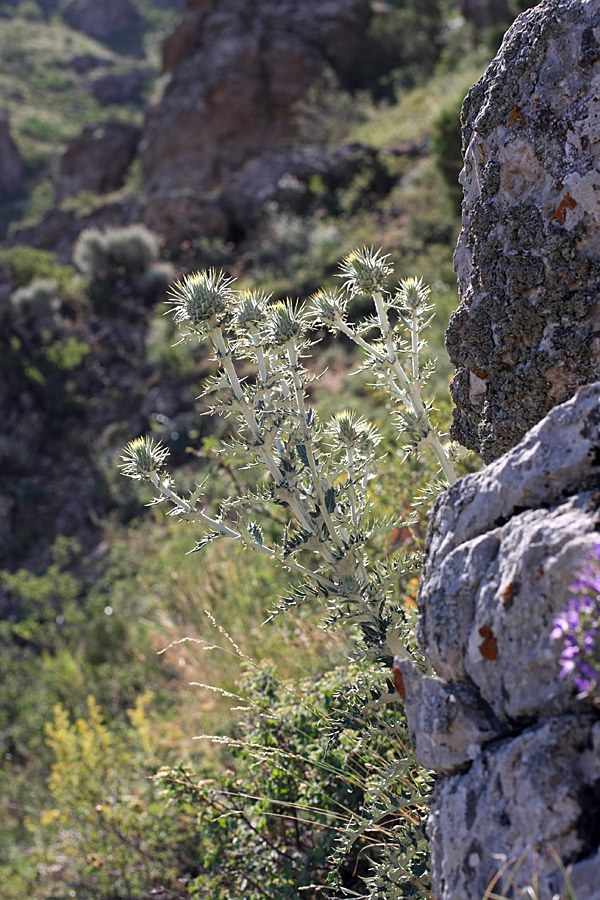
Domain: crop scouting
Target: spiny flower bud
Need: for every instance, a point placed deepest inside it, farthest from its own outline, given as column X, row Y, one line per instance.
column 250, row 309
column 202, row 297
column 142, row 457
column 412, row 296
column 365, row 271
column 327, row 307
column 284, row 322
column 349, row 431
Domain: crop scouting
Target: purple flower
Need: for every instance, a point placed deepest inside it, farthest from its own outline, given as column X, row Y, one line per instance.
column 578, row 626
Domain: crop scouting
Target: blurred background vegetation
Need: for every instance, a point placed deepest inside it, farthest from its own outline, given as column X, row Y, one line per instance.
column 93, row 583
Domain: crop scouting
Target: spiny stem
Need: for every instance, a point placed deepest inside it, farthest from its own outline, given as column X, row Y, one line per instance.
column 292, row 354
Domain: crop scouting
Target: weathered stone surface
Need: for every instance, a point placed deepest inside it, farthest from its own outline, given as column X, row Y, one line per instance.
column 100, row 20
column 128, row 87
column 238, row 69
column 503, row 548
column 522, row 752
column 11, row 167
column 521, row 799
column 98, row 159
column 449, row 722
column 527, row 331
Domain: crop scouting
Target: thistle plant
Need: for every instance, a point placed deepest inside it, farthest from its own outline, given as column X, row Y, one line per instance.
column 317, row 473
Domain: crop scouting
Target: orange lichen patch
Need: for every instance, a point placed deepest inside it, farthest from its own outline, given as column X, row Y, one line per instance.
column 398, row 682
column 489, row 647
column 508, row 594
column 516, row 117
column 560, row 213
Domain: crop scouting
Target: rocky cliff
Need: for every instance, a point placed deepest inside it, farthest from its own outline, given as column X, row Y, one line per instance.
column 527, row 331
column 517, row 753
column 237, row 68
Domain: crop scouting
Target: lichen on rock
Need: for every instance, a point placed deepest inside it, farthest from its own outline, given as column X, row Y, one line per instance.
column 527, row 332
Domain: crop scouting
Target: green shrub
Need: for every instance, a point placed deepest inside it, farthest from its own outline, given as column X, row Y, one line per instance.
column 296, row 794
column 446, row 148
column 28, row 263
column 106, row 256
column 37, row 303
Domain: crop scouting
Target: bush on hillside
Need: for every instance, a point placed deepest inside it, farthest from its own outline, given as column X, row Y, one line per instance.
column 446, row 148
column 125, row 259
column 105, row 256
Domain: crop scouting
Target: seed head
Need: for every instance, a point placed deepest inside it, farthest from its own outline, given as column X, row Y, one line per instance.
column 365, row 271
column 202, row 298
column 142, row 457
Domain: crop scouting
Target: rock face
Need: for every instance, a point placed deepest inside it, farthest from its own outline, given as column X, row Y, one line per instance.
column 522, row 752
column 518, row 754
column 238, row 68
column 98, row 159
column 100, row 20
column 527, row 331
column 121, row 88
column 11, row 167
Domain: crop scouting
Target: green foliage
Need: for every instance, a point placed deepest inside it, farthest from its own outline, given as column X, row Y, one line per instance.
column 446, row 144
column 404, row 38
column 107, row 832
column 116, row 252
column 124, row 258
column 35, row 302
column 295, row 794
column 25, row 264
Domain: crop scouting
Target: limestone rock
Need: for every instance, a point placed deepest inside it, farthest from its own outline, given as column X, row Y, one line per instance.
column 449, row 723
column 237, row 70
column 521, row 800
column 98, row 159
column 527, row 331
column 11, row 167
column 100, row 20
column 503, row 547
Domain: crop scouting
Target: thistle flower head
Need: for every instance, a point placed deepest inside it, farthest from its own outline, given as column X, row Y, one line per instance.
column 285, row 321
column 201, row 298
column 412, row 296
column 349, row 431
column 249, row 309
column 142, row 457
column 327, row 307
column 365, row 271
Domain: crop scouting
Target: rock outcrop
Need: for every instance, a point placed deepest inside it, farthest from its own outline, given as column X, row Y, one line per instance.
column 237, row 70
column 127, row 87
column 517, row 752
column 527, row 332
column 11, row 166
column 100, row 20
column 503, row 549
column 98, row 159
